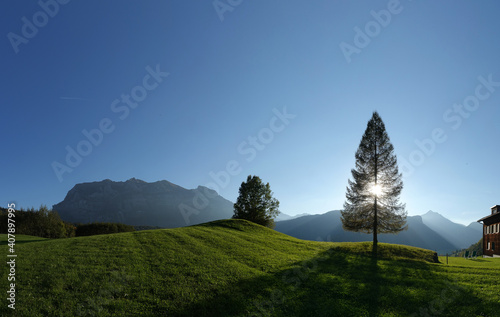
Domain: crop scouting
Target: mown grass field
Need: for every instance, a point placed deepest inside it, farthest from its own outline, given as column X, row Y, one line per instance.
column 236, row 268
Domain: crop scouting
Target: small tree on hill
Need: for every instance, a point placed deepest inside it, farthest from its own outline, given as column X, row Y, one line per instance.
column 372, row 199
column 256, row 203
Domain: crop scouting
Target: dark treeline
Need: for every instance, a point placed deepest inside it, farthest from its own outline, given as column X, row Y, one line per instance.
column 141, row 228
column 43, row 223
column 101, row 228
column 46, row 223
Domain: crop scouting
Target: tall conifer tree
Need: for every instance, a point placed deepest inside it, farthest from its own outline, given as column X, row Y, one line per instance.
column 372, row 200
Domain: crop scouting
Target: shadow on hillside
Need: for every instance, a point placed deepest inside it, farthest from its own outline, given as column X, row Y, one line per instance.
column 338, row 283
column 478, row 260
column 5, row 242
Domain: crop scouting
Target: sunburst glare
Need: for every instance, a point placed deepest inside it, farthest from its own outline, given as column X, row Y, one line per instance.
column 376, row 190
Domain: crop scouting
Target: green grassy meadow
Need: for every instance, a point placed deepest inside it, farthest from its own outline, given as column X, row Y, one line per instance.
column 236, row 268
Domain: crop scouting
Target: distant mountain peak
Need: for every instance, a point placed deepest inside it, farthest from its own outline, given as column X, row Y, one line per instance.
column 430, row 212
column 434, row 216
column 207, row 190
column 135, row 180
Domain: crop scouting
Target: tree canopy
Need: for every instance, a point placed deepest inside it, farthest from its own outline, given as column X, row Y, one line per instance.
column 256, row 203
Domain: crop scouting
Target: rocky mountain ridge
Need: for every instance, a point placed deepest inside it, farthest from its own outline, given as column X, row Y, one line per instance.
column 139, row 203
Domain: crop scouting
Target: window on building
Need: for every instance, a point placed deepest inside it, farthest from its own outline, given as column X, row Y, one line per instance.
column 493, row 246
column 488, row 247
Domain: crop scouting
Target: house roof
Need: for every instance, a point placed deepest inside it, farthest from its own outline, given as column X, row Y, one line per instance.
column 490, row 218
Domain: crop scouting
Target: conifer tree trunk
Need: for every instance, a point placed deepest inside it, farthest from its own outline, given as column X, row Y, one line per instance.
column 375, row 216
column 375, row 227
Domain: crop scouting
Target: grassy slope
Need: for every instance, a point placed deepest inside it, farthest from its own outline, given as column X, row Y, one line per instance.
column 235, row 268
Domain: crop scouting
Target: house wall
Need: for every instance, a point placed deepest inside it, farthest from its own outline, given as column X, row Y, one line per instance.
column 491, row 239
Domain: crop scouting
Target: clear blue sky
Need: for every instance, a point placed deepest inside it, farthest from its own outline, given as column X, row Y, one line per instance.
column 207, row 79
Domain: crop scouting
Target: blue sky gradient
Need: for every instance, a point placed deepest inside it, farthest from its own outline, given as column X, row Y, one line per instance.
column 278, row 89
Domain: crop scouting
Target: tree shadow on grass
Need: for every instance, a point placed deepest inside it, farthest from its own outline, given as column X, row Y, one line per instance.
column 5, row 242
column 340, row 283
column 478, row 260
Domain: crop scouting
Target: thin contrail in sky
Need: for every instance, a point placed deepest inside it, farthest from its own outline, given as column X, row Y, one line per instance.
column 74, row 98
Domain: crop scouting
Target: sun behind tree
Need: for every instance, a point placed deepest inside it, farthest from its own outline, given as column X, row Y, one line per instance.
column 372, row 199
column 256, row 203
